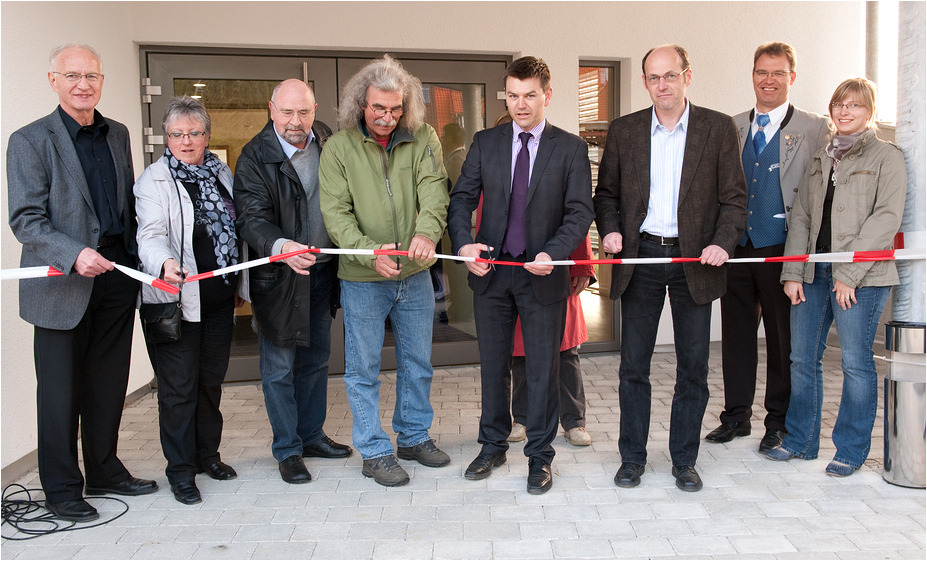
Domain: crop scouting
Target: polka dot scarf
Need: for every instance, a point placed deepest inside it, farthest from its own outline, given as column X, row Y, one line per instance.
column 220, row 226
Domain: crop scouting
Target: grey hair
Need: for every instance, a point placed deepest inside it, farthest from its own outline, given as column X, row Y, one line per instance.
column 53, row 57
column 279, row 85
column 385, row 74
column 185, row 106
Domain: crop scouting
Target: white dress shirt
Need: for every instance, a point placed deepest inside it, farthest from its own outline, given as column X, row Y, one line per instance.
column 776, row 116
column 667, row 150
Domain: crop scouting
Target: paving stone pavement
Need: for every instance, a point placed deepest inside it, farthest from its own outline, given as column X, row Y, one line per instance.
column 750, row 508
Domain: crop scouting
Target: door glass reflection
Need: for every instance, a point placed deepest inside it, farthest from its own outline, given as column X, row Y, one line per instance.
column 456, row 112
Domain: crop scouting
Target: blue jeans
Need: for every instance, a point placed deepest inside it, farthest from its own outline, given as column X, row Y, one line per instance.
column 856, row 328
column 641, row 306
column 295, row 379
column 410, row 305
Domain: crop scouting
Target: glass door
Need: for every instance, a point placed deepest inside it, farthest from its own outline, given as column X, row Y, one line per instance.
column 463, row 97
column 236, row 90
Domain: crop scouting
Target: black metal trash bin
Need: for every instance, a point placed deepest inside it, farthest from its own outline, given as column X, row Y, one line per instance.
column 905, row 405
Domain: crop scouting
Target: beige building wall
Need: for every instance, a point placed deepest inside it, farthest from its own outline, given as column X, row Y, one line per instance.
column 720, row 38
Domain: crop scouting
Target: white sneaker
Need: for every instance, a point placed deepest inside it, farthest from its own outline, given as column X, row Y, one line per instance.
column 518, row 433
column 579, row 437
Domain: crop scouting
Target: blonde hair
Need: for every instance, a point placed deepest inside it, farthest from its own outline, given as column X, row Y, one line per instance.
column 863, row 90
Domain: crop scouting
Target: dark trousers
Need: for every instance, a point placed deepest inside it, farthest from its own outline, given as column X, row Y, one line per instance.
column 190, row 372
column 82, row 375
column 509, row 296
column 572, row 395
column 754, row 291
column 641, row 306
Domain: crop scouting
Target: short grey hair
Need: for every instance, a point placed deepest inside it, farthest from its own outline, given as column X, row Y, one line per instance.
column 185, row 106
column 385, row 74
column 273, row 95
column 53, row 57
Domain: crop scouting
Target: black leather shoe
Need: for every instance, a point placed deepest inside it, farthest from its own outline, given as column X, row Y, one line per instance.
column 539, row 477
column 687, row 479
column 629, row 475
column 77, row 510
column 217, row 470
column 728, row 432
column 293, row 470
column 482, row 466
column 326, row 448
column 771, row 439
column 131, row 487
column 186, row 493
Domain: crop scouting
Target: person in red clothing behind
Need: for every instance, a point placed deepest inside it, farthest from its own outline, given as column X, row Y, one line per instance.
column 572, row 396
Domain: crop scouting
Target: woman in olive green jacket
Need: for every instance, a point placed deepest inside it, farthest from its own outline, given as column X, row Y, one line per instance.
column 851, row 199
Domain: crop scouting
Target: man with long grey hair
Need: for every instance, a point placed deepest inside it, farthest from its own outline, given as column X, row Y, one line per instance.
column 383, row 186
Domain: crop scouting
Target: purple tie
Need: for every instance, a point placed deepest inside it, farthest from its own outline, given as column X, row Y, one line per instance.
column 515, row 231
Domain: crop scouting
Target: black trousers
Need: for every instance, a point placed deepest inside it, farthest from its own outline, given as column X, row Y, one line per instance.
column 572, row 395
column 82, row 375
column 190, row 373
column 754, row 292
column 509, row 296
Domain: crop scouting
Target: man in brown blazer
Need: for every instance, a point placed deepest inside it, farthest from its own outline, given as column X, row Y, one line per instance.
column 670, row 185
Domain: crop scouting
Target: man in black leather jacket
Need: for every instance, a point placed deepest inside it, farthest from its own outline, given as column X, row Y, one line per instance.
column 277, row 202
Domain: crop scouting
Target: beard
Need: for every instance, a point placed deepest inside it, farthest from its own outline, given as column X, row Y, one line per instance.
column 295, row 136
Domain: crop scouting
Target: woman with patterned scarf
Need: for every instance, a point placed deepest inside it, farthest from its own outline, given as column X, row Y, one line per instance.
column 851, row 199
column 186, row 224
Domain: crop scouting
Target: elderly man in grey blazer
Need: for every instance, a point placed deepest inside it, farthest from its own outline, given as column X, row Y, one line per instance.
column 777, row 141
column 70, row 178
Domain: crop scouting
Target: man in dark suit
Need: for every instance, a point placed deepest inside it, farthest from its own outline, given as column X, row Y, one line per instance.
column 670, row 185
column 777, row 141
column 70, row 180
column 535, row 181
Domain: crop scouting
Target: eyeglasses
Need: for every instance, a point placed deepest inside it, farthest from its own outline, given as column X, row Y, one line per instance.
column 850, row 106
column 381, row 111
column 289, row 113
column 669, row 77
column 194, row 135
column 778, row 74
column 74, row 77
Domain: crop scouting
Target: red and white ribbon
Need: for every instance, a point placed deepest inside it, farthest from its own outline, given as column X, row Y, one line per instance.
column 148, row 279
column 844, row 257
column 30, row 273
column 42, row 272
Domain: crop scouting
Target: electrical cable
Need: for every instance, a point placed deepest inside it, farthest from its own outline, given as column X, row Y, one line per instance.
column 30, row 517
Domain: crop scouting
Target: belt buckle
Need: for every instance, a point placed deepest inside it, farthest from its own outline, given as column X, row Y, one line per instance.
column 662, row 242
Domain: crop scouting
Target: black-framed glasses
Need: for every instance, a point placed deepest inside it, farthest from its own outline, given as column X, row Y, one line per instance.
column 194, row 135
column 669, row 77
column 381, row 111
column 74, row 77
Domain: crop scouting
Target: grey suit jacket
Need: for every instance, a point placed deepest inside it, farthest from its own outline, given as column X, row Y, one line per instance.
column 802, row 133
column 52, row 215
column 712, row 194
column 559, row 209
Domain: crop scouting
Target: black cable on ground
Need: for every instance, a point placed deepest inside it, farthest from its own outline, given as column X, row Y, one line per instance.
column 29, row 517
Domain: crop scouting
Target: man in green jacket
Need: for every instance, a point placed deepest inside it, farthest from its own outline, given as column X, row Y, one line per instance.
column 383, row 185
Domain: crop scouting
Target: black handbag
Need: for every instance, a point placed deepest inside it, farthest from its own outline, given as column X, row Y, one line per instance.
column 161, row 320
